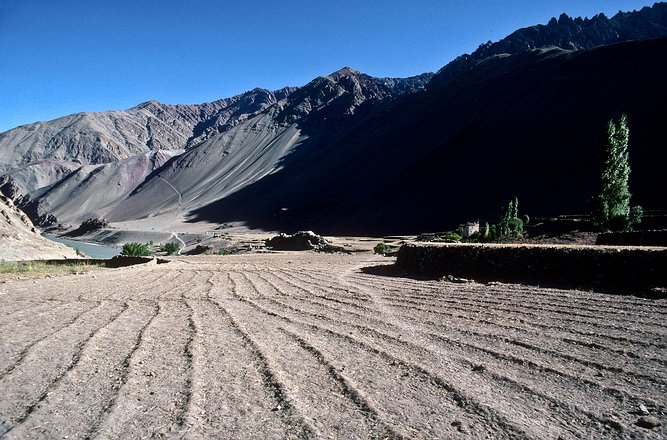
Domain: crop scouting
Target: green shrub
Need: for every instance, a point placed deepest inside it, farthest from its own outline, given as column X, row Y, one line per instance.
column 510, row 224
column 170, row 248
column 450, row 237
column 611, row 207
column 486, row 235
column 135, row 250
column 447, row 237
column 381, row 249
column 636, row 214
column 515, row 224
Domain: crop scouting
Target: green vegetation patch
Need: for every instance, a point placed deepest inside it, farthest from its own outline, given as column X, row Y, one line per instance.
column 441, row 237
column 136, row 250
column 170, row 248
column 382, row 248
column 38, row 269
column 611, row 207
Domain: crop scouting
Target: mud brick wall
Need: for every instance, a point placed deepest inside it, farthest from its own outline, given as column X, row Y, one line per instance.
column 590, row 266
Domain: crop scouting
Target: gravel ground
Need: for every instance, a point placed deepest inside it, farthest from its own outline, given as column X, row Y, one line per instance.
column 305, row 345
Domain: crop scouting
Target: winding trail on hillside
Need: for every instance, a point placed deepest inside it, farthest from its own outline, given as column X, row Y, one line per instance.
column 175, row 235
column 306, row 345
column 178, row 193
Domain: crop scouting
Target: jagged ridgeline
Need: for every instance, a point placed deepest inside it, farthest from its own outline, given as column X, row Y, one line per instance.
column 351, row 153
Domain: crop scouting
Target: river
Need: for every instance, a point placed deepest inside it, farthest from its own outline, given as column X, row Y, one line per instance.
column 91, row 250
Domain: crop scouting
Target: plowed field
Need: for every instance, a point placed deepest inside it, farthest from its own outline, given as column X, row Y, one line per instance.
column 311, row 346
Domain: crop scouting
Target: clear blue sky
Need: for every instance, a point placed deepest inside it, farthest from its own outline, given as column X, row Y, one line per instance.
column 65, row 56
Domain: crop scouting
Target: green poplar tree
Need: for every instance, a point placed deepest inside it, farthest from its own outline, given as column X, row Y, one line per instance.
column 612, row 206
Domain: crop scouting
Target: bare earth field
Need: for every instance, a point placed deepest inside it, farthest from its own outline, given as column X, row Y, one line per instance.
column 306, row 345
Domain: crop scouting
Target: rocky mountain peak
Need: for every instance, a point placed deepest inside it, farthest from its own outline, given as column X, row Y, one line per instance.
column 343, row 72
column 148, row 105
column 566, row 33
column 233, row 111
column 340, row 93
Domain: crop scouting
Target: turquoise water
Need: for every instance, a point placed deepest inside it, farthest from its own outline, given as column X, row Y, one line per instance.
column 89, row 249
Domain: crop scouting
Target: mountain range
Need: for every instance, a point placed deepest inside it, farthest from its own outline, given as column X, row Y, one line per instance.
column 352, row 154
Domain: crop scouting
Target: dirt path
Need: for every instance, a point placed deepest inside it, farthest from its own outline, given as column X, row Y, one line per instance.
column 178, row 193
column 310, row 346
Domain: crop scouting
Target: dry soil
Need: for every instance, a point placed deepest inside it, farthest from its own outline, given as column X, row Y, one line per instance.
column 305, row 345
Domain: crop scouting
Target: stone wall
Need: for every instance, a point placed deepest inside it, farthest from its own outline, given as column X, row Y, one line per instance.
column 634, row 238
column 571, row 266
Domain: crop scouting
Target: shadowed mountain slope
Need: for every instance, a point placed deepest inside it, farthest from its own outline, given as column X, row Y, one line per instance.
column 256, row 148
column 527, row 125
column 84, row 165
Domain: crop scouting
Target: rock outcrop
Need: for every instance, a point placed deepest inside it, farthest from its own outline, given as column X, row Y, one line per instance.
column 300, row 241
column 20, row 240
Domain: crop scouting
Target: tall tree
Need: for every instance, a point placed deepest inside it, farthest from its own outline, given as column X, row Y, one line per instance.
column 612, row 205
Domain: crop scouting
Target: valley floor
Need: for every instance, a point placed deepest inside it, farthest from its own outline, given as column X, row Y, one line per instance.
column 306, row 345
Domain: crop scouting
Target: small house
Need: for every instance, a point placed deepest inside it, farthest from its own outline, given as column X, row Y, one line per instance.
column 469, row 229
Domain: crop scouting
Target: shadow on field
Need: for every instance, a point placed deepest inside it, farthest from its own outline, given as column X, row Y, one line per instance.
column 395, row 271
